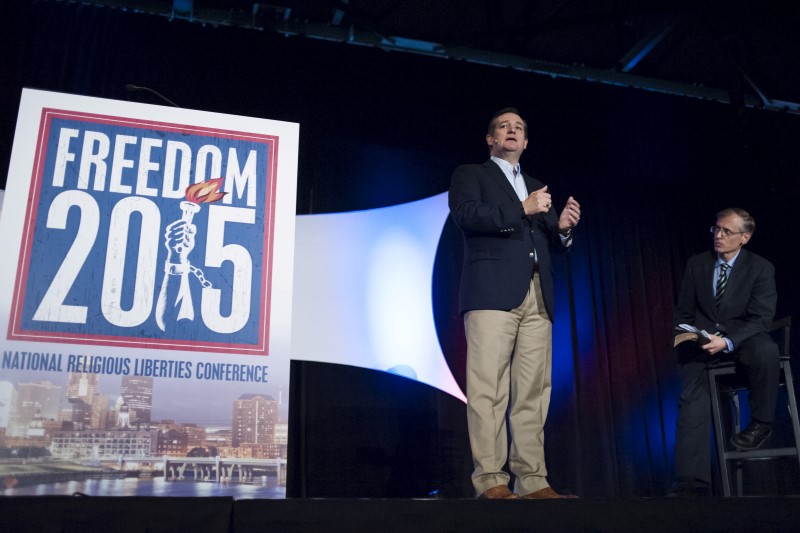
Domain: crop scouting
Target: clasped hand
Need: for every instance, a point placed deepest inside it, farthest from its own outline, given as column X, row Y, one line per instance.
column 179, row 240
column 540, row 201
column 716, row 345
column 537, row 202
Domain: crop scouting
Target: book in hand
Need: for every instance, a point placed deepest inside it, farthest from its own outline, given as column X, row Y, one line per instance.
column 691, row 333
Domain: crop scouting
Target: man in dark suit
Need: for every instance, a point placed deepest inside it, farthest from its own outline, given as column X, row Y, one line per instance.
column 506, row 298
column 729, row 293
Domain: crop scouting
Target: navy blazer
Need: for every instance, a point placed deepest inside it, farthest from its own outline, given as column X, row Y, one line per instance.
column 499, row 239
column 748, row 303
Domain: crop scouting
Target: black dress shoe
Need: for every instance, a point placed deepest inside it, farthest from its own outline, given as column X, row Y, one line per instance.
column 688, row 488
column 753, row 436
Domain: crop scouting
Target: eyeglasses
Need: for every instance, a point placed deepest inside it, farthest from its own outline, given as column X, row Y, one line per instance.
column 725, row 231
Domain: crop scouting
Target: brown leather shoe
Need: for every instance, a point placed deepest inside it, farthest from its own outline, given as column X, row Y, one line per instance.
column 546, row 493
column 500, row 492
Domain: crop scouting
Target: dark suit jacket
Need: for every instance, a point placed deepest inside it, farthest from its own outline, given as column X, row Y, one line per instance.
column 748, row 303
column 500, row 239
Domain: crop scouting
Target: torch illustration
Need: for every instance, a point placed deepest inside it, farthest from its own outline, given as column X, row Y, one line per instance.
column 179, row 239
column 204, row 192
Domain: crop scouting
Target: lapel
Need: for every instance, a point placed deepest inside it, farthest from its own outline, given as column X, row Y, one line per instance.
column 529, row 183
column 501, row 179
column 709, row 282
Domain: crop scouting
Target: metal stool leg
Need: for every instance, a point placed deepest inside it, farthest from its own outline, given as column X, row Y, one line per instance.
column 737, row 427
column 719, row 434
column 738, row 457
column 787, row 376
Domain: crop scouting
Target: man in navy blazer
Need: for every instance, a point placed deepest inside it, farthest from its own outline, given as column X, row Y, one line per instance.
column 730, row 293
column 506, row 297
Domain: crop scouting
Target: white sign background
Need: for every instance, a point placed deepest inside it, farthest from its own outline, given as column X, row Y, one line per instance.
column 185, row 397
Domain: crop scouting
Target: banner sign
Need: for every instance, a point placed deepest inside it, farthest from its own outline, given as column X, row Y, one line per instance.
column 107, row 225
column 147, row 243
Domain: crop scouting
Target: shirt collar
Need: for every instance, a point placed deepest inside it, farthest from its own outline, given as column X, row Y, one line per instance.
column 505, row 166
column 729, row 261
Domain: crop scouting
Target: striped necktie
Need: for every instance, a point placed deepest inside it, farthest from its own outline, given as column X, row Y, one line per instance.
column 722, row 282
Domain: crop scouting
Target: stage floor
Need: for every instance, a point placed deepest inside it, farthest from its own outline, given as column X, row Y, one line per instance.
column 149, row 514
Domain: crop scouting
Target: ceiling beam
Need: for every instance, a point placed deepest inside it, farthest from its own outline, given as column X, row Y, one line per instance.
column 644, row 47
column 338, row 13
column 523, row 64
column 372, row 38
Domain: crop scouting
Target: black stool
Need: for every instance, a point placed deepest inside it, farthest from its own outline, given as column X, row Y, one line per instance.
column 779, row 329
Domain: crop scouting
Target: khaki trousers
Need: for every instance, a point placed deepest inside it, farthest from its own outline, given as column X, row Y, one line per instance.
column 509, row 361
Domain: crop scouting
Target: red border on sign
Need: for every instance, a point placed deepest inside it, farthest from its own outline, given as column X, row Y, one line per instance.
column 14, row 326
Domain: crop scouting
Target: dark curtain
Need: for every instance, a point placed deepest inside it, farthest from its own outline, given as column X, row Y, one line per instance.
column 650, row 171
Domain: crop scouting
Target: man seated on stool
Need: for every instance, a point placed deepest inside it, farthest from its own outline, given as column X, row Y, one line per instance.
column 730, row 293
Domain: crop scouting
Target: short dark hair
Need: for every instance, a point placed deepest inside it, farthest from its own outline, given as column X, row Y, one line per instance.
column 493, row 120
column 748, row 223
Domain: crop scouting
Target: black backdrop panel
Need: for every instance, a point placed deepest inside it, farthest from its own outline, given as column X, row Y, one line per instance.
column 368, row 434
